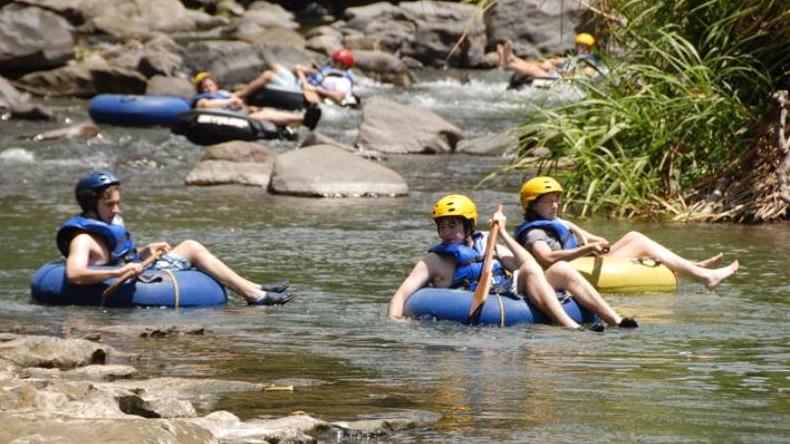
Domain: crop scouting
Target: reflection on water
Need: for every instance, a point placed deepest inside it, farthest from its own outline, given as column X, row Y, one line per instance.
column 702, row 367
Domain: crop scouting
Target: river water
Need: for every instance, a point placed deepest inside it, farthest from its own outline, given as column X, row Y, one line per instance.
column 703, row 366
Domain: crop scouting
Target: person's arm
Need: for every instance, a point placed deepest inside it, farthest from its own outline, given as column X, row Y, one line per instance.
column 153, row 248
column 546, row 256
column 77, row 269
column 417, row 279
column 336, row 96
column 513, row 254
column 232, row 102
column 585, row 237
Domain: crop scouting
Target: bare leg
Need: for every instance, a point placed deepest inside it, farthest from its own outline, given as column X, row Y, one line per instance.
column 206, row 262
column 278, row 117
column 635, row 244
column 259, row 82
column 562, row 276
column 711, row 261
column 533, row 283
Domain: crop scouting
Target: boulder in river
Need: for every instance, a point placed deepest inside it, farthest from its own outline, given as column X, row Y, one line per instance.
column 329, row 171
column 32, row 39
column 234, row 162
column 393, row 128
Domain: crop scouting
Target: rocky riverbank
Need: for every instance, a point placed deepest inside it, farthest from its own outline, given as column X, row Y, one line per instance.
column 79, row 390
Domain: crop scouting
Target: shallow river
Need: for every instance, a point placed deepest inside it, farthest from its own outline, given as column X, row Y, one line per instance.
column 703, row 367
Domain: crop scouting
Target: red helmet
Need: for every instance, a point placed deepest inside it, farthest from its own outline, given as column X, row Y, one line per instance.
column 343, row 56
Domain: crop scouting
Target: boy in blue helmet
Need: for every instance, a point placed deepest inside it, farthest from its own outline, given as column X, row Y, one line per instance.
column 98, row 237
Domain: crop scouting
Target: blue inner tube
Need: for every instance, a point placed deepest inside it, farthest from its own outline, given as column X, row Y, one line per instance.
column 209, row 127
column 153, row 288
column 130, row 110
column 453, row 305
column 278, row 98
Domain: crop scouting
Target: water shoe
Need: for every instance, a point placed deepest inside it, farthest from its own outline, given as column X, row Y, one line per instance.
column 276, row 286
column 628, row 323
column 273, row 298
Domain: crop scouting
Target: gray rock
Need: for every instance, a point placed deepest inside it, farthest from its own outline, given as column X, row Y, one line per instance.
column 170, row 86
column 234, row 162
column 383, row 67
column 495, row 145
column 440, row 27
column 156, row 408
column 533, row 26
column 33, row 39
column 230, row 62
column 393, row 128
column 52, row 352
column 318, row 138
column 328, row 171
column 83, row 130
column 124, row 19
column 48, row 428
column 290, row 429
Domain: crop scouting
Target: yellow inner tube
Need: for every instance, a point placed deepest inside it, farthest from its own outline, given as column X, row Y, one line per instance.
column 626, row 275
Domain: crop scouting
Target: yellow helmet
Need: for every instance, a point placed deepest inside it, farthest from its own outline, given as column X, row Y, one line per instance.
column 199, row 77
column 538, row 186
column 455, row 205
column 583, row 38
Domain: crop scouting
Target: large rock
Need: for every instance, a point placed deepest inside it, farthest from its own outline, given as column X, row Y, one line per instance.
column 446, row 33
column 33, row 39
column 234, row 162
column 383, row 67
column 52, row 352
column 20, row 105
column 329, row 171
column 137, row 18
column 390, row 127
column 170, row 86
column 425, row 31
column 230, row 62
column 533, row 26
column 495, row 145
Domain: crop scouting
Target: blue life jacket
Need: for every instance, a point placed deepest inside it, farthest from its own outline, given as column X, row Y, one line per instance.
column 221, row 94
column 119, row 241
column 560, row 229
column 317, row 77
column 469, row 265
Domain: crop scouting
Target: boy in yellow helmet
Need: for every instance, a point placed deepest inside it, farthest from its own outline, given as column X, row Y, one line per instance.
column 584, row 62
column 456, row 216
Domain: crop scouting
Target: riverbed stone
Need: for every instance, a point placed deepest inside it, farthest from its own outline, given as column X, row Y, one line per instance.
column 139, row 18
column 383, row 67
column 491, row 145
column 533, row 26
column 21, row 105
column 32, row 39
column 83, row 130
column 393, row 128
column 329, row 171
column 234, row 162
column 230, row 62
column 52, row 352
column 170, row 86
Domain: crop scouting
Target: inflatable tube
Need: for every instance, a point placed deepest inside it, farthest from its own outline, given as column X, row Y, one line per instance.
column 117, row 109
column 625, row 275
column 278, row 98
column 208, row 127
column 154, row 288
column 453, row 305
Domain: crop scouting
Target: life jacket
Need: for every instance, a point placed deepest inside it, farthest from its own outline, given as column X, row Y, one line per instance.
column 469, row 265
column 119, row 241
column 221, row 94
column 560, row 229
column 316, row 78
column 574, row 62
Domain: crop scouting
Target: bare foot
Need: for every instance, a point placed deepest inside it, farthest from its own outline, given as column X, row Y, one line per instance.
column 711, row 261
column 720, row 274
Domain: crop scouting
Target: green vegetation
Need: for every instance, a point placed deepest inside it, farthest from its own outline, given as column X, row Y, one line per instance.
column 688, row 81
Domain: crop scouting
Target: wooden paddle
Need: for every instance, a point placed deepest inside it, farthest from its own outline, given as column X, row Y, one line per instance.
column 131, row 273
column 309, row 93
column 484, row 284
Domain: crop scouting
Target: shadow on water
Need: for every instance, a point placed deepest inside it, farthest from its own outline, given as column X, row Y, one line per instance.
column 702, row 367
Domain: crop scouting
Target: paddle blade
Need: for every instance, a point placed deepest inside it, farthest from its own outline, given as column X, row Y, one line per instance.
column 484, row 284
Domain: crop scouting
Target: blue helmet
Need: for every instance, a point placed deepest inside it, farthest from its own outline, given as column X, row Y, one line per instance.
column 89, row 186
